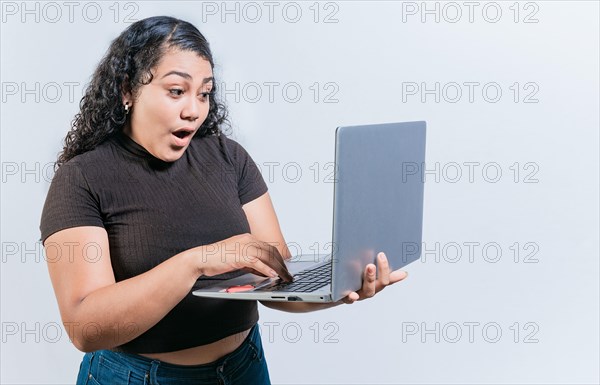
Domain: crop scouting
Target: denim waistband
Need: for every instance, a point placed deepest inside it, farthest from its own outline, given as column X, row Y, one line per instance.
column 143, row 364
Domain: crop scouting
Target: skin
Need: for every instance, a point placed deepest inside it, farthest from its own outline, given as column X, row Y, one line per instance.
column 87, row 292
column 177, row 97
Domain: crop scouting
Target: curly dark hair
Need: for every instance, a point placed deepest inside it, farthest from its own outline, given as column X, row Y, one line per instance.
column 127, row 66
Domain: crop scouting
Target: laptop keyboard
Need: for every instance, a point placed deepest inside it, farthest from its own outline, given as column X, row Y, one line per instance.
column 305, row 281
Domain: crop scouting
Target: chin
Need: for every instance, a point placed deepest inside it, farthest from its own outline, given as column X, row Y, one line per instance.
column 172, row 156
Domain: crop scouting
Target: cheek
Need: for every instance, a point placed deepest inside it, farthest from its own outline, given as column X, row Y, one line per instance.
column 157, row 110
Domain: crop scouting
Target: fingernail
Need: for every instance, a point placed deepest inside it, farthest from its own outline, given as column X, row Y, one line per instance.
column 273, row 273
column 371, row 270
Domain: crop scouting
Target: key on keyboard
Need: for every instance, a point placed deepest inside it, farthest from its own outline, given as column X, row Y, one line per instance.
column 305, row 281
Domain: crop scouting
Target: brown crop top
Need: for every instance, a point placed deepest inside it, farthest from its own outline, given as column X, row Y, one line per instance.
column 153, row 210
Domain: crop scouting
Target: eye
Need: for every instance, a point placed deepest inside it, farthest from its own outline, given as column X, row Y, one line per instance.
column 176, row 91
column 205, row 95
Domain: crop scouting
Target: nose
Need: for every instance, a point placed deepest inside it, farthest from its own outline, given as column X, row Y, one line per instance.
column 191, row 110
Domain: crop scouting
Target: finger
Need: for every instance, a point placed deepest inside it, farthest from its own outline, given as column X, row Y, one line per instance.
column 246, row 260
column 270, row 256
column 278, row 264
column 368, row 287
column 274, row 259
column 260, row 268
column 252, row 271
column 384, row 271
column 351, row 298
column 397, row 276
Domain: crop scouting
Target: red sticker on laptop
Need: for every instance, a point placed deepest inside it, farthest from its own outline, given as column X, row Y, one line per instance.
column 236, row 289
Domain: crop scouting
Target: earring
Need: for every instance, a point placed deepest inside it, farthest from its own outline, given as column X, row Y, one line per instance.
column 126, row 108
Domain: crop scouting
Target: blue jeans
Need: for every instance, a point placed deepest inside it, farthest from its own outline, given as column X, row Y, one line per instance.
column 245, row 365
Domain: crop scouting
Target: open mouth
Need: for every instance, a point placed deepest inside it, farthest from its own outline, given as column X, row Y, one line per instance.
column 182, row 134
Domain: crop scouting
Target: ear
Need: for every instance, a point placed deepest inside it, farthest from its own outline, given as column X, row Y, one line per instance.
column 126, row 99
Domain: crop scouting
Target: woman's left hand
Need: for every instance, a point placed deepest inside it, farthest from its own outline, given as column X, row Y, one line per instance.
column 372, row 285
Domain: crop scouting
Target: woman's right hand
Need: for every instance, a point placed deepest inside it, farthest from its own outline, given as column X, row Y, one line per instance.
column 245, row 252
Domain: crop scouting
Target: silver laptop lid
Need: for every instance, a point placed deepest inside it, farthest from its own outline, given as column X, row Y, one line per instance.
column 378, row 199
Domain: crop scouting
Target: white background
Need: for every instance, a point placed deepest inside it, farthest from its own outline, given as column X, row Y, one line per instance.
column 547, row 310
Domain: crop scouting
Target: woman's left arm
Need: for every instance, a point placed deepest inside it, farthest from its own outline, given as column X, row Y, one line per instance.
column 265, row 226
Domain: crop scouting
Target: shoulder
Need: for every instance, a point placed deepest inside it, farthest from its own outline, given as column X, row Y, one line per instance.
column 99, row 153
column 89, row 163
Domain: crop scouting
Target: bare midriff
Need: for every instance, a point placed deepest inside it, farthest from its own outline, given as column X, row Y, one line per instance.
column 202, row 354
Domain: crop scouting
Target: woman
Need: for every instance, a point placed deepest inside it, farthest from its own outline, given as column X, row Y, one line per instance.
column 150, row 200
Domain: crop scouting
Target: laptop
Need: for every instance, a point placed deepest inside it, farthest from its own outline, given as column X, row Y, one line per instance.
column 377, row 207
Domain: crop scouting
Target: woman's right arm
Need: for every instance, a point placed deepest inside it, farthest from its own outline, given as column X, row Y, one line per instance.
column 99, row 313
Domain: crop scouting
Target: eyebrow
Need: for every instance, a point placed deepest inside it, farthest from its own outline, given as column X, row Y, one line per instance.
column 187, row 76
